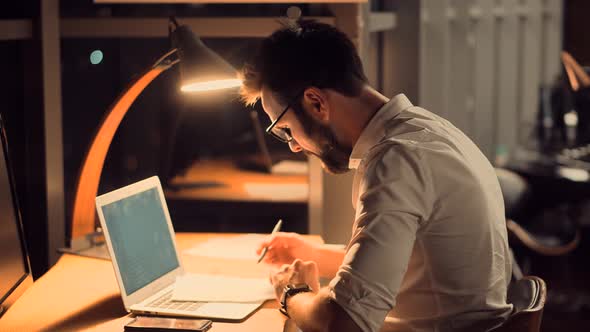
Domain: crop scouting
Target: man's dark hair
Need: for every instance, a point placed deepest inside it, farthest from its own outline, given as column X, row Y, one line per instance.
column 304, row 54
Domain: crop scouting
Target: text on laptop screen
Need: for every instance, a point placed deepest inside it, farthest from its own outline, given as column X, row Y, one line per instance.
column 141, row 239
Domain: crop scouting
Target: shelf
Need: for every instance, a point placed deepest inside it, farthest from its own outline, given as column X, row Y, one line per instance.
column 222, row 27
column 15, row 29
column 223, row 1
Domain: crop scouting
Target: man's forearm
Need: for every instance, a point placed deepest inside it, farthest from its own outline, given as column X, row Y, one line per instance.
column 316, row 312
column 328, row 260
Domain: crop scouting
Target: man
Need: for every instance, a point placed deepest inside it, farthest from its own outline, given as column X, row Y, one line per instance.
column 429, row 247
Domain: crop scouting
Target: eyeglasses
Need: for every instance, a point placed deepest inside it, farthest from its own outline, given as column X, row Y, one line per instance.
column 282, row 134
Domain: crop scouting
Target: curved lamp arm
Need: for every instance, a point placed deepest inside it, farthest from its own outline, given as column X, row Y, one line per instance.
column 83, row 218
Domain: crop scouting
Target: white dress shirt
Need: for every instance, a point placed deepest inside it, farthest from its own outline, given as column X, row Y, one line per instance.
column 429, row 248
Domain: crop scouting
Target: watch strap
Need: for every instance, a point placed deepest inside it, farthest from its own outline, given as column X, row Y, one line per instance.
column 289, row 291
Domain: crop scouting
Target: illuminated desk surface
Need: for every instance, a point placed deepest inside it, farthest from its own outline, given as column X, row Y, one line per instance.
column 81, row 294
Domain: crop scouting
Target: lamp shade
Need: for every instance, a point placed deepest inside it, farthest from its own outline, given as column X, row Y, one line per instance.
column 201, row 69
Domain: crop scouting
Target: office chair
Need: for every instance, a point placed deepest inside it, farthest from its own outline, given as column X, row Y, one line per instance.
column 552, row 233
column 528, row 296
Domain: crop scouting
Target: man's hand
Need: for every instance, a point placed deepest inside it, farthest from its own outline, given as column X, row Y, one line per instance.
column 284, row 248
column 311, row 311
column 297, row 273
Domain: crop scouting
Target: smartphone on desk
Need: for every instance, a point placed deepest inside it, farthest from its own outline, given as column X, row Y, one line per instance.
column 167, row 324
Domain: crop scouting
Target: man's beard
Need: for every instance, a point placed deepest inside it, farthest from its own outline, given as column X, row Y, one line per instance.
column 334, row 156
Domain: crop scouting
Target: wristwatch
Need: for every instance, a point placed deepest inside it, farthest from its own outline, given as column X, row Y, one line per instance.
column 289, row 291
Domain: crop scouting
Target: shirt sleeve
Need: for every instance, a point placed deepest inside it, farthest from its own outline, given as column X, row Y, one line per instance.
column 393, row 202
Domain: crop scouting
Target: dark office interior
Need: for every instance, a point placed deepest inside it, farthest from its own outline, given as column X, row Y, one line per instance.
column 58, row 84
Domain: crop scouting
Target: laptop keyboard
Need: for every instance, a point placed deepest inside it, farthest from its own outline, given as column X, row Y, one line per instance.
column 165, row 302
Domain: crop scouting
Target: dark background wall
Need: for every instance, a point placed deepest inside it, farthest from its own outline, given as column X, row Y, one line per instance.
column 575, row 33
column 22, row 111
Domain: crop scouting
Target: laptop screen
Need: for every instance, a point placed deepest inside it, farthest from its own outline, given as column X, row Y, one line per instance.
column 141, row 239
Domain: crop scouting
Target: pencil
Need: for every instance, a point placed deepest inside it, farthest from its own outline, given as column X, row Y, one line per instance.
column 274, row 230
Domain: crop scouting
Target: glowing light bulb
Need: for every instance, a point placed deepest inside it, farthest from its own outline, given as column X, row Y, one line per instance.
column 96, row 57
column 211, row 85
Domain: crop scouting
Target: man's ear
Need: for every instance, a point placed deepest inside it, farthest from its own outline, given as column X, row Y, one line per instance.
column 315, row 102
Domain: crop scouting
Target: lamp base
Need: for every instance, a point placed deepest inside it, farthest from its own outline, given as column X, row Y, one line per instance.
column 99, row 251
column 91, row 245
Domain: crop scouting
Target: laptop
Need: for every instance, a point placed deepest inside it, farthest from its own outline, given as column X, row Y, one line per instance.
column 140, row 239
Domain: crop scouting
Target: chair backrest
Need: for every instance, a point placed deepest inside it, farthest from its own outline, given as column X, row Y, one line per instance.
column 528, row 296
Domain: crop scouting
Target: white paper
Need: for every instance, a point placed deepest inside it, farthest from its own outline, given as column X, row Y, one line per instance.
column 216, row 288
column 290, row 167
column 234, row 247
column 278, row 192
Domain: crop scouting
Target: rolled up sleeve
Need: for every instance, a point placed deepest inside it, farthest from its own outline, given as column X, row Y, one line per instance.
column 391, row 207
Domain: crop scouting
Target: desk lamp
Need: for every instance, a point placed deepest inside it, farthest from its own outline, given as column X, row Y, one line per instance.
column 201, row 69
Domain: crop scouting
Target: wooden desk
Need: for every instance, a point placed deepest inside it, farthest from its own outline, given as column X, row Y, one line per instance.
column 234, row 182
column 81, row 294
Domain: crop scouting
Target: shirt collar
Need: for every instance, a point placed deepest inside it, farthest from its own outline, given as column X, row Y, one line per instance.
column 375, row 130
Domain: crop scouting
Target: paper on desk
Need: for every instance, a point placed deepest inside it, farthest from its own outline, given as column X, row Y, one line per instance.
column 290, row 167
column 234, row 247
column 215, row 288
column 278, row 192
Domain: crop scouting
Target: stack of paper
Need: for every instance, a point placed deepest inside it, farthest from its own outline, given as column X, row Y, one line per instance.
column 214, row 288
column 278, row 192
column 290, row 167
